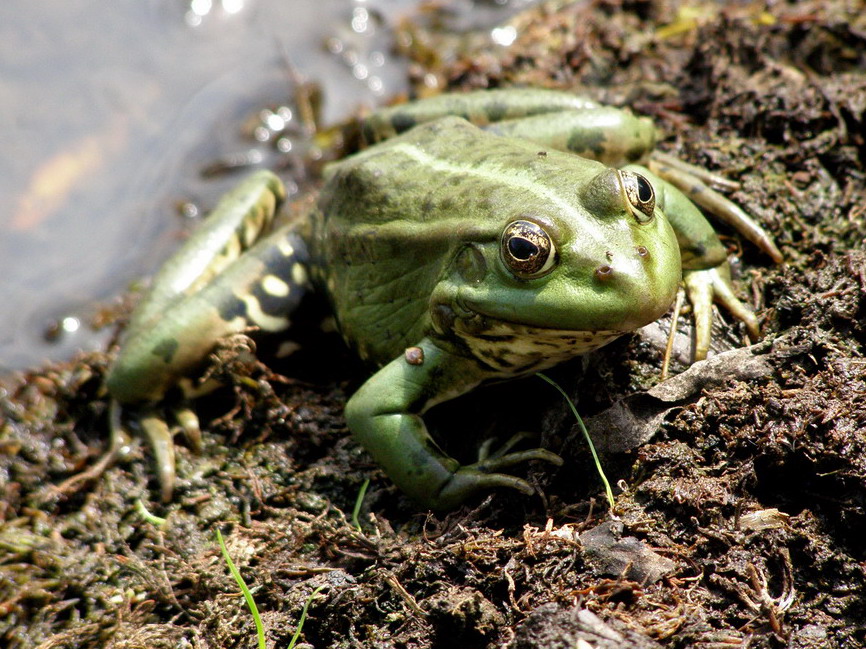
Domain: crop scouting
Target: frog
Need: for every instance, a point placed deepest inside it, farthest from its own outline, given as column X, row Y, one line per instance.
column 475, row 237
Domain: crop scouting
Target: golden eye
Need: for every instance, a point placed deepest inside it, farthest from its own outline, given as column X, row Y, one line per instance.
column 640, row 195
column 527, row 250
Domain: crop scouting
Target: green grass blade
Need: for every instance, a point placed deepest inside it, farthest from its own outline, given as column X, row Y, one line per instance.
column 153, row 519
column 586, row 436
column 358, row 501
column 251, row 603
column 303, row 619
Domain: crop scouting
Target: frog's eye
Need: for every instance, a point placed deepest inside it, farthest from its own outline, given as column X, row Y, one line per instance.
column 640, row 195
column 527, row 249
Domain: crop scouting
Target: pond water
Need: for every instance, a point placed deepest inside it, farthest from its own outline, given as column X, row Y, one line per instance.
column 108, row 111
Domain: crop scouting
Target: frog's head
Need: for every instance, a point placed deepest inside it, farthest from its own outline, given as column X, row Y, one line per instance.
column 595, row 255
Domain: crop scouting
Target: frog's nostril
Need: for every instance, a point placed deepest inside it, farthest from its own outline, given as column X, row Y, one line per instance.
column 643, row 252
column 604, row 273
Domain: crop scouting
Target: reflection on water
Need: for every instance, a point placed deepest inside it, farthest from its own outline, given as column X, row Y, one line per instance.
column 107, row 114
column 110, row 111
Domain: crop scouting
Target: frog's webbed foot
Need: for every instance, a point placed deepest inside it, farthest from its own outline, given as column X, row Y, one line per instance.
column 487, row 451
column 705, row 286
column 697, row 184
column 485, row 474
column 495, row 459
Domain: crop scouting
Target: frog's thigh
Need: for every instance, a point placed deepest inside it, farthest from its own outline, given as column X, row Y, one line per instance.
column 478, row 107
column 241, row 218
column 611, row 136
column 260, row 289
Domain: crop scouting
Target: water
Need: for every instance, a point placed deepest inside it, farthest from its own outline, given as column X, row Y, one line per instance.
column 108, row 111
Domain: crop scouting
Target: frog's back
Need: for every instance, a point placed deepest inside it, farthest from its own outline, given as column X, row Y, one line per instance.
column 392, row 219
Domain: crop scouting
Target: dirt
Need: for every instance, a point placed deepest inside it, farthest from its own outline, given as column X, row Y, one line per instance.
column 739, row 519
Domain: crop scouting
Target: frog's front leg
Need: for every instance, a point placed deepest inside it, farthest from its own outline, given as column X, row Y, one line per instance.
column 385, row 415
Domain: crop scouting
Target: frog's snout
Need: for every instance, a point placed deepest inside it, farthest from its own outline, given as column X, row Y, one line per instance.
column 634, row 285
column 628, row 268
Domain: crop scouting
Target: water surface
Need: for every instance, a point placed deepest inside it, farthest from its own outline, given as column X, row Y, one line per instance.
column 107, row 113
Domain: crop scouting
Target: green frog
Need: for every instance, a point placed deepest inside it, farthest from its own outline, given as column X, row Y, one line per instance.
column 477, row 237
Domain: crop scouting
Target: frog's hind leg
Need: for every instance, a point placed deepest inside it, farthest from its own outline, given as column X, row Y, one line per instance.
column 612, row 136
column 242, row 217
column 257, row 292
column 696, row 183
column 228, row 278
column 253, row 290
column 479, row 107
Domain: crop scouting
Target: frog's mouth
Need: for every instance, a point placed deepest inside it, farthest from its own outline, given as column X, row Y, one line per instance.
column 512, row 348
column 624, row 302
column 549, row 319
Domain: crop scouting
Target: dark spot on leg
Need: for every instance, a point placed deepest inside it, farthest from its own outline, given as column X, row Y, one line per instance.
column 166, row 349
column 402, row 122
column 274, row 305
column 230, row 307
column 635, row 153
column 583, row 141
column 495, row 110
column 368, row 132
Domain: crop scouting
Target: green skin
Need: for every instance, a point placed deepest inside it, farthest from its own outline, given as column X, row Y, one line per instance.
column 413, row 242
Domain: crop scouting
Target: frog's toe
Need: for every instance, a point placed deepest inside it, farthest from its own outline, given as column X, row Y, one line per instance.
column 466, row 482
column 190, row 425
column 484, row 475
column 724, row 295
column 487, row 450
column 704, row 286
column 162, row 442
column 693, row 182
column 499, row 461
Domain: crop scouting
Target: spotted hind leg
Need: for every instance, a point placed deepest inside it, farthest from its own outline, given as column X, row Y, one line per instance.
column 698, row 183
column 229, row 278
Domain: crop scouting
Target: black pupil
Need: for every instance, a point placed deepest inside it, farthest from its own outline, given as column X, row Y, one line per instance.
column 521, row 248
column 644, row 190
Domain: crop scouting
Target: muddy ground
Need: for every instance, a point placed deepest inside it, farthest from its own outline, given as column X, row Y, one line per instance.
column 739, row 517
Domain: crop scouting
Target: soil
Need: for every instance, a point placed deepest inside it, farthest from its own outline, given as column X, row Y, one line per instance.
column 740, row 485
